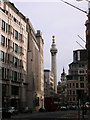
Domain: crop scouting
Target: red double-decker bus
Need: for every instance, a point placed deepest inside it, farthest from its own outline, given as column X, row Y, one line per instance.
column 51, row 103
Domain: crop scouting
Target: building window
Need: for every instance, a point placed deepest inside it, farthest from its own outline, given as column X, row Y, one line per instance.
column 15, row 90
column 73, row 92
column 15, row 61
column 8, row 74
column 2, row 72
column 81, row 71
column 81, row 65
column 2, row 56
column 16, row 48
column 14, row 19
column 21, row 64
column 15, row 76
column 81, row 85
column 70, row 99
column 3, row 25
column 75, row 56
column 7, row 57
column 2, row 40
column 76, row 85
column 73, row 84
column 73, row 98
column 16, row 35
column 75, row 77
column 4, row 90
column 70, row 85
column 70, row 92
column 81, row 78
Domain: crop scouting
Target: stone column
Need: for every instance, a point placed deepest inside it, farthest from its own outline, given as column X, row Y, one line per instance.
column 53, row 51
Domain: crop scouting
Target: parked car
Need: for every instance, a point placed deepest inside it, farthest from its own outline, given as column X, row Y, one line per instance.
column 5, row 113
column 73, row 107
column 63, row 108
column 26, row 110
column 12, row 110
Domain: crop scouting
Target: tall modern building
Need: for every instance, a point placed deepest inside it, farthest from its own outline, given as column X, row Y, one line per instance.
column 48, row 84
column 53, row 51
column 77, row 76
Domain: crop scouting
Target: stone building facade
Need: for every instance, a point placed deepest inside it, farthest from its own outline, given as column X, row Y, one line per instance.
column 77, row 76
column 48, row 84
column 62, row 88
column 21, row 60
column 13, row 55
column 35, row 76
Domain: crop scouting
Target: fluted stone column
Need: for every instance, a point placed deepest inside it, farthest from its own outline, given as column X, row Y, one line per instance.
column 53, row 51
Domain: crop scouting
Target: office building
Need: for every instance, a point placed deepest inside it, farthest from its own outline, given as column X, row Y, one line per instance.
column 77, row 76
column 21, row 60
column 48, row 84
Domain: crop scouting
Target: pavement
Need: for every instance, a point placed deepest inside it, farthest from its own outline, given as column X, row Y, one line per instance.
column 86, row 117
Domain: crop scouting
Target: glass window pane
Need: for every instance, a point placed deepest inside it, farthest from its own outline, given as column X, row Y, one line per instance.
column 16, row 48
column 2, row 40
column 15, row 61
column 15, row 76
column 3, row 25
column 16, row 35
column 2, row 56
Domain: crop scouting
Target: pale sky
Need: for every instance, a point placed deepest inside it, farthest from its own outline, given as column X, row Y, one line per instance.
column 54, row 17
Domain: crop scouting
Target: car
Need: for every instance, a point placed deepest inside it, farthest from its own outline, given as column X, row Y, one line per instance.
column 73, row 107
column 63, row 108
column 5, row 113
column 12, row 110
column 26, row 110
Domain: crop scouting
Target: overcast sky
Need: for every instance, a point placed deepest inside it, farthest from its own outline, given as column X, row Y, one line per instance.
column 54, row 17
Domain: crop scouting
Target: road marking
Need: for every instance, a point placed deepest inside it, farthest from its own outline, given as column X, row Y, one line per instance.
column 67, row 116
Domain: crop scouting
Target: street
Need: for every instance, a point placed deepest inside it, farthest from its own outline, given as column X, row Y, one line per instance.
column 56, row 115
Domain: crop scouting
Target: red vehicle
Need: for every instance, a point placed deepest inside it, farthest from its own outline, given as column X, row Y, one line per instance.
column 51, row 103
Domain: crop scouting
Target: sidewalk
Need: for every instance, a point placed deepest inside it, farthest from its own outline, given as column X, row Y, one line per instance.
column 86, row 117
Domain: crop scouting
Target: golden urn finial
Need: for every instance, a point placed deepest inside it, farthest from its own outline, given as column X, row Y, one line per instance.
column 53, row 39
